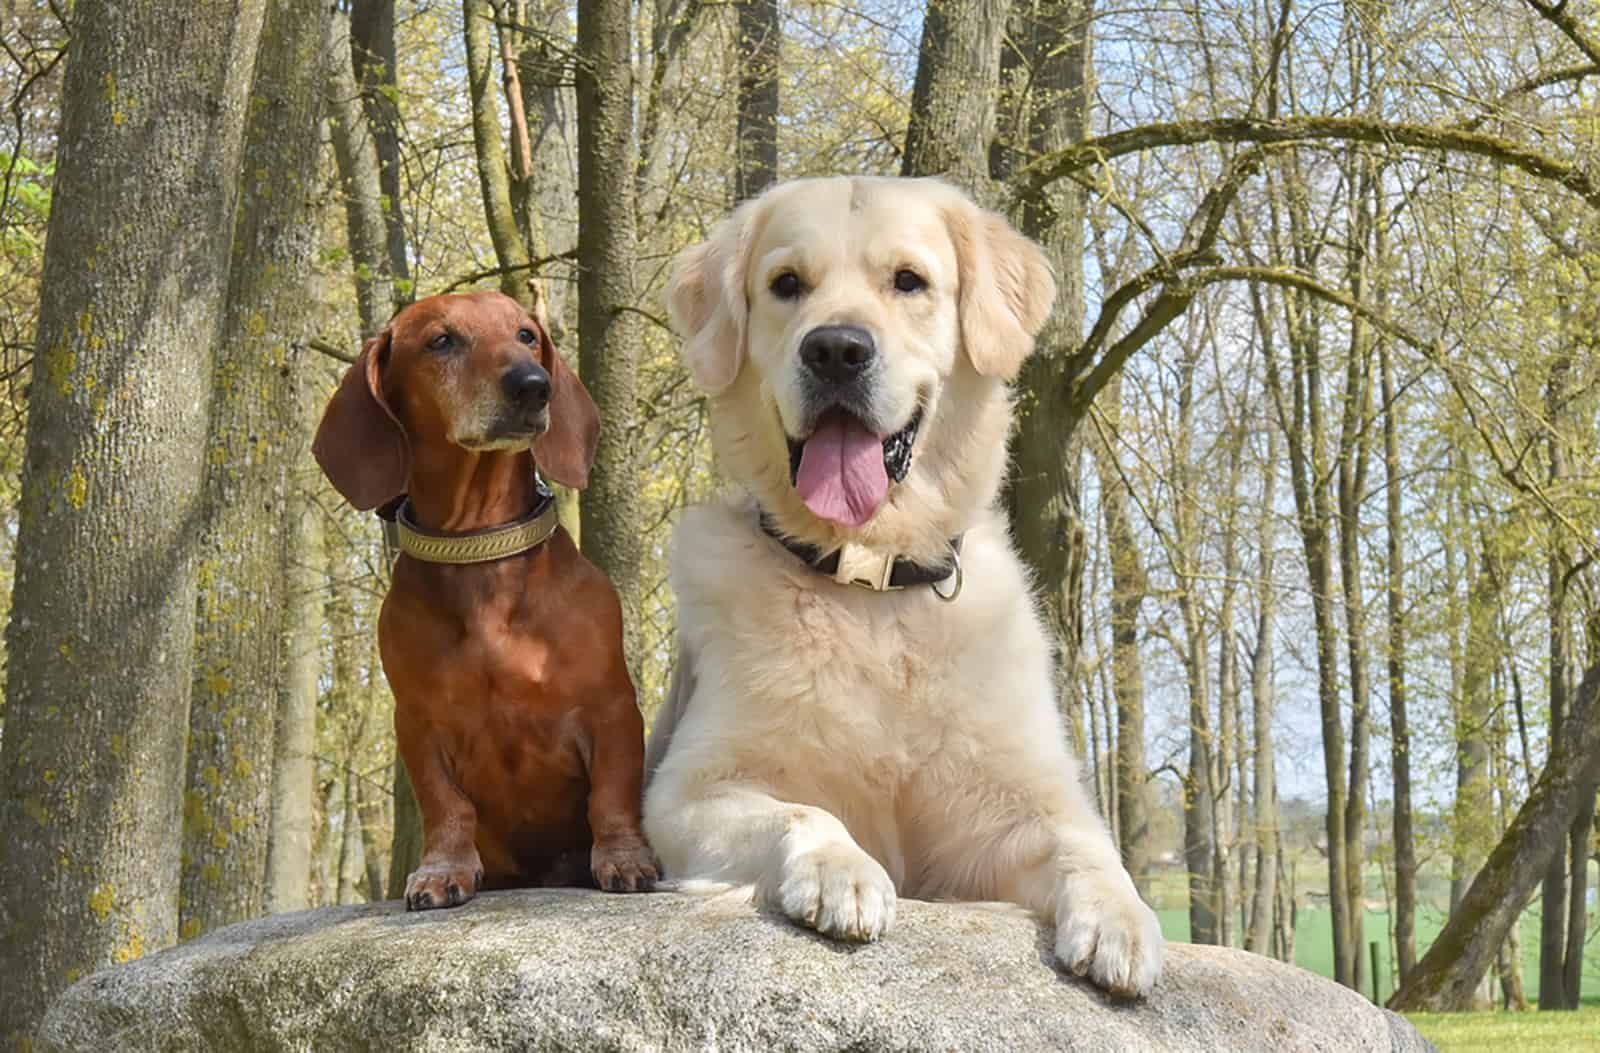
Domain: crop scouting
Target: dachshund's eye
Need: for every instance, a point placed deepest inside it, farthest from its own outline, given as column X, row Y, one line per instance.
column 908, row 281
column 527, row 336
column 786, row 286
column 441, row 342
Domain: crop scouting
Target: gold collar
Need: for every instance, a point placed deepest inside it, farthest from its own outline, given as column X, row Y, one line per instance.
column 527, row 533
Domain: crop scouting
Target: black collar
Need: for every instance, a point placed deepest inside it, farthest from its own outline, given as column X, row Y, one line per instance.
column 888, row 575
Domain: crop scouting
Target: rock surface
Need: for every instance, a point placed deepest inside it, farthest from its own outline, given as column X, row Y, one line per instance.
column 581, row 971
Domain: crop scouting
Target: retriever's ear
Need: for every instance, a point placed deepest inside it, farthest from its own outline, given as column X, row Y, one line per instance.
column 1006, row 289
column 359, row 443
column 565, row 452
column 707, row 301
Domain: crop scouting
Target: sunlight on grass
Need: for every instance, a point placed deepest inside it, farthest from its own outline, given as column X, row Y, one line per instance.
column 1517, row 1032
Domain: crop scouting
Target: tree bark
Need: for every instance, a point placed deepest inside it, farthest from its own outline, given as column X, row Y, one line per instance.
column 1263, row 700
column 494, row 177
column 608, row 330
column 760, row 40
column 1300, row 417
column 547, row 96
column 355, row 152
column 372, row 56
column 1447, row 976
column 102, row 623
column 256, row 423
column 1129, row 587
column 1553, row 895
column 1474, row 806
column 294, row 751
column 1042, row 494
column 1405, row 849
column 952, row 97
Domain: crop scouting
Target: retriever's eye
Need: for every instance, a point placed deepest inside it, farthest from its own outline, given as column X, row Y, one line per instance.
column 908, row 281
column 527, row 335
column 786, row 286
column 441, row 342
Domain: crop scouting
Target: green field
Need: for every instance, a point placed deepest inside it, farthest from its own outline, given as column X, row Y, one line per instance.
column 1517, row 1032
column 1489, row 1032
column 1313, row 947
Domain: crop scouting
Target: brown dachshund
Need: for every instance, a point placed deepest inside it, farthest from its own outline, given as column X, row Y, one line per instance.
column 514, row 711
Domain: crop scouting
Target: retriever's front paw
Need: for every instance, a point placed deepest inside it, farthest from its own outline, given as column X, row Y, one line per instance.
column 836, row 889
column 1106, row 932
column 443, row 882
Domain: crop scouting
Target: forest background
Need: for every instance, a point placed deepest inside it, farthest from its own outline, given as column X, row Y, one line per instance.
column 1305, row 466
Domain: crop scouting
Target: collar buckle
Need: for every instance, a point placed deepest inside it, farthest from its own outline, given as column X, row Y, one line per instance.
column 864, row 568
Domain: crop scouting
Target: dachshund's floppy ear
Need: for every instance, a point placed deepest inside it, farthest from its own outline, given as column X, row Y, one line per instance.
column 1007, row 289
column 565, row 452
column 708, row 304
column 359, row 443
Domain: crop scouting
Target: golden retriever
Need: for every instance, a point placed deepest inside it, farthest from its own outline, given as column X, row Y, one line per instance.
column 836, row 745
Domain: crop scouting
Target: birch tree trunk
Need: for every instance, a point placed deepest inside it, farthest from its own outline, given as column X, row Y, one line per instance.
column 100, row 641
column 256, row 426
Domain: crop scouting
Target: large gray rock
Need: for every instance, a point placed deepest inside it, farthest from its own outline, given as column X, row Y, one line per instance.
column 569, row 970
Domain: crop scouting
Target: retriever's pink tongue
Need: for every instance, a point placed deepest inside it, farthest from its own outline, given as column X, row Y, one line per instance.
column 841, row 470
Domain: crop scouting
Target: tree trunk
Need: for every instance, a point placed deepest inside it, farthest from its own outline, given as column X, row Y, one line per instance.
column 372, row 56
column 1553, row 896
column 547, row 98
column 294, row 763
column 405, row 849
column 1405, row 849
column 350, row 868
column 1042, row 493
column 255, row 426
column 1129, row 586
column 102, row 623
column 1300, row 417
column 760, row 40
column 494, row 178
column 356, row 154
column 1474, row 806
column 1263, row 698
column 1447, row 976
column 608, row 330
column 952, row 97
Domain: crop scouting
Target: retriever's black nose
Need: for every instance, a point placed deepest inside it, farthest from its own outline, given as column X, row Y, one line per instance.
column 527, row 386
column 837, row 354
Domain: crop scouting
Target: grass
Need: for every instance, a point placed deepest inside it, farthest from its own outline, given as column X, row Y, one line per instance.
column 1450, row 1032
column 1517, row 1032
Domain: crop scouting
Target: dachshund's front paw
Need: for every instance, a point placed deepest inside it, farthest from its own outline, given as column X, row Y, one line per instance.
column 443, row 883
column 624, row 864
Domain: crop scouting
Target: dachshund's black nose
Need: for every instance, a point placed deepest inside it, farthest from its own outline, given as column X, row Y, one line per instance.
column 527, row 386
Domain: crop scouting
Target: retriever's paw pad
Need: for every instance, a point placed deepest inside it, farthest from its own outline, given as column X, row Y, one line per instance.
column 624, row 865
column 1106, row 932
column 836, row 889
column 443, row 883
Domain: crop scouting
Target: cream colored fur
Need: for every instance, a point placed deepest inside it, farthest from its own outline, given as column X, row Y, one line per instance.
column 836, row 747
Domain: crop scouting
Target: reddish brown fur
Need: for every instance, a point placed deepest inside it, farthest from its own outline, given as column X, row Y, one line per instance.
column 514, row 710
